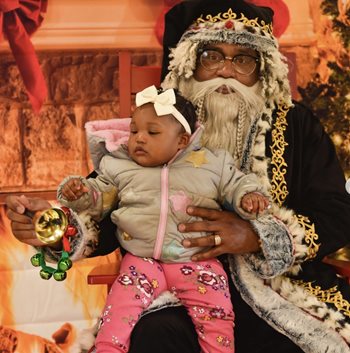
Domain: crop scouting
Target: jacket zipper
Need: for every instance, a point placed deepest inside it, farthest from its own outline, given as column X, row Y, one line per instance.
column 164, row 204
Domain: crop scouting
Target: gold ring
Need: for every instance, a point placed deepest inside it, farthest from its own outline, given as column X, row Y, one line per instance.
column 217, row 239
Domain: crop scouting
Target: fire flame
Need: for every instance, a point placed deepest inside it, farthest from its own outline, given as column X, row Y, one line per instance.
column 14, row 263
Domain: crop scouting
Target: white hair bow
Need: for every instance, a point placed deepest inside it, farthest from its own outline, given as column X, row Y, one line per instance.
column 163, row 104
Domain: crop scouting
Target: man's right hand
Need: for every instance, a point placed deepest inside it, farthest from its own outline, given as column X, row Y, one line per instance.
column 21, row 224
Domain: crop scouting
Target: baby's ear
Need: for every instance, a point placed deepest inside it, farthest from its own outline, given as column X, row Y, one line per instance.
column 184, row 140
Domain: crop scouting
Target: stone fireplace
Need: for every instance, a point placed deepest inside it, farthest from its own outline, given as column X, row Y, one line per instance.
column 77, row 46
column 37, row 151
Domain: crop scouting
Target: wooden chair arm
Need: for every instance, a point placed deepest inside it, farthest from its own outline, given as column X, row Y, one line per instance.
column 341, row 266
column 104, row 274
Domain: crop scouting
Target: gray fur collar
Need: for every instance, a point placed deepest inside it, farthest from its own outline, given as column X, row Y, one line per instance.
column 306, row 331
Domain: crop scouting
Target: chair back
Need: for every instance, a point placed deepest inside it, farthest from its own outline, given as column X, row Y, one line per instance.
column 133, row 79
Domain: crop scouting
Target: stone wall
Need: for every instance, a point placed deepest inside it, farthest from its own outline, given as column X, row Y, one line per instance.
column 37, row 151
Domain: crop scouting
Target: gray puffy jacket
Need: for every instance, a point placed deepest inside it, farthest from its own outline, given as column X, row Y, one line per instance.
column 149, row 202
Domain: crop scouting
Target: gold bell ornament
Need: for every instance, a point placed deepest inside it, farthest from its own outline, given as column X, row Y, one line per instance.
column 51, row 226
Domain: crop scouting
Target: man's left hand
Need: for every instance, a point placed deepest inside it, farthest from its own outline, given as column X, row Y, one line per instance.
column 237, row 235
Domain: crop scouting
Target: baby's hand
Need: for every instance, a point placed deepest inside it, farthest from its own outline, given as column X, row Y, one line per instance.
column 73, row 189
column 254, row 202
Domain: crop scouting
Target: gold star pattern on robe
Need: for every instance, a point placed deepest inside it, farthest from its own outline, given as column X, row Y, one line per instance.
column 197, row 158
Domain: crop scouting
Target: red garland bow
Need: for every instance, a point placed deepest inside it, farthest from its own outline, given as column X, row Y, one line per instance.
column 18, row 20
column 159, row 26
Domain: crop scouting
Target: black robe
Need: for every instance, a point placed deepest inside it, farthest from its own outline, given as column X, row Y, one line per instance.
column 305, row 176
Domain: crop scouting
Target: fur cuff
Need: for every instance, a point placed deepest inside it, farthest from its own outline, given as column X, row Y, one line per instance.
column 277, row 248
column 165, row 300
column 309, row 333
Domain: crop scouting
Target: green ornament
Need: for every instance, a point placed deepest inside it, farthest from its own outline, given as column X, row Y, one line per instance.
column 45, row 274
column 59, row 276
column 35, row 260
column 64, row 265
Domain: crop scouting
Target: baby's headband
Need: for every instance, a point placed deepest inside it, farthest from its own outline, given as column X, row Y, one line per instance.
column 163, row 104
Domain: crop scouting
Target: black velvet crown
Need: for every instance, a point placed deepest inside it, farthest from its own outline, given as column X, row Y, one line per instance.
column 186, row 14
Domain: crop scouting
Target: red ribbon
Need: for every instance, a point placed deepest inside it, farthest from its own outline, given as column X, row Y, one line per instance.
column 18, row 20
column 71, row 230
column 159, row 26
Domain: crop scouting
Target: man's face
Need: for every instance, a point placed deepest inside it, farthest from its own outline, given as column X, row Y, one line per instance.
column 227, row 69
column 225, row 84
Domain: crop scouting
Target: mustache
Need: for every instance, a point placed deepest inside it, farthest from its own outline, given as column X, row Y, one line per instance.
column 210, row 86
column 197, row 91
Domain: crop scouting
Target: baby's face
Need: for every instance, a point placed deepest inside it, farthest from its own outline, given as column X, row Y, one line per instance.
column 154, row 140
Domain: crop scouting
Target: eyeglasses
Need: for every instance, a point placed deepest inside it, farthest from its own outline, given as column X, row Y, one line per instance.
column 211, row 59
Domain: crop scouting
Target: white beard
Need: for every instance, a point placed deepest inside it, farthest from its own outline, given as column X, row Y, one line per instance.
column 221, row 111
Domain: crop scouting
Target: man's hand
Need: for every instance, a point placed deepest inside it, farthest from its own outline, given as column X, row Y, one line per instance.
column 237, row 235
column 21, row 224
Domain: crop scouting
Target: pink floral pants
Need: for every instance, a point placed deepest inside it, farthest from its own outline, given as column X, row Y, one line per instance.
column 201, row 287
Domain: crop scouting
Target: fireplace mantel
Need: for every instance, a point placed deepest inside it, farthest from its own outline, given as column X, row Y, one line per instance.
column 91, row 24
column 120, row 24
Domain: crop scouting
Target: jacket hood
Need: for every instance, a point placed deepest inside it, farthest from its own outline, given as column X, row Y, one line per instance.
column 106, row 136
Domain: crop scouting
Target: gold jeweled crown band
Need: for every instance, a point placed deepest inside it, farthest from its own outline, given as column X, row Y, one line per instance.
column 230, row 15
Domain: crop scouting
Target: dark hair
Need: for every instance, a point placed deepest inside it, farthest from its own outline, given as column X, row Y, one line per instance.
column 186, row 108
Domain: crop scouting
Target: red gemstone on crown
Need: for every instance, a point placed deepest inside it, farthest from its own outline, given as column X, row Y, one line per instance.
column 229, row 25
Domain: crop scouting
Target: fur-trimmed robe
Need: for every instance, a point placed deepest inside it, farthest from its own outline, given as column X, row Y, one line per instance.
column 286, row 284
column 305, row 176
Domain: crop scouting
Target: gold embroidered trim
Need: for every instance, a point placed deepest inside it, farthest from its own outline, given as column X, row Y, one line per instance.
column 331, row 296
column 310, row 235
column 279, row 189
column 230, row 15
